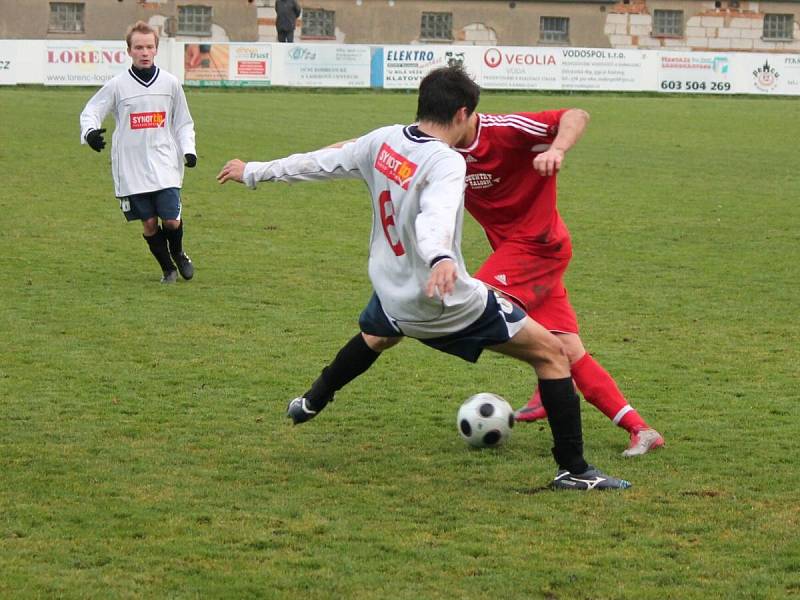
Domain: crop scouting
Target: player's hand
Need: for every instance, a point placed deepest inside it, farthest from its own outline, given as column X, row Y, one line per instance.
column 548, row 162
column 95, row 139
column 191, row 160
column 232, row 171
column 442, row 279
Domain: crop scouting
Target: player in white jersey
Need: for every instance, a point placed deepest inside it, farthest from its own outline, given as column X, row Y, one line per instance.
column 416, row 182
column 421, row 287
column 153, row 140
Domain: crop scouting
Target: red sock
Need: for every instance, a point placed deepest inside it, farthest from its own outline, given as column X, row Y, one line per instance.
column 600, row 390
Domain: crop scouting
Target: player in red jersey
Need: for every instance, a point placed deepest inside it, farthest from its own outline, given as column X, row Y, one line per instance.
column 512, row 164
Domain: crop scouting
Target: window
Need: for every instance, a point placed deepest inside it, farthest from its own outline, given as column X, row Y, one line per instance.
column 194, row 20
column 668, row 23
column 66, row 17
column 436, row 26
column 778, row 27
column 318, row 23
column 553, row 29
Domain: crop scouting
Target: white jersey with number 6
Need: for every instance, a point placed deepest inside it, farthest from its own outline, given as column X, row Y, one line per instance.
column 417, row 188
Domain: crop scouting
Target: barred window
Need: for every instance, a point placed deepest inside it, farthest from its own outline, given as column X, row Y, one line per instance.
column 436, row 26
column 318, row 23
column 553, row 29
column 668, row 22
column 66, row 17
column 194, row 20
column 778, row 27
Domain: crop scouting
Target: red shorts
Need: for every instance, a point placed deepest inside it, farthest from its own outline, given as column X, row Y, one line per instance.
column 534, row 282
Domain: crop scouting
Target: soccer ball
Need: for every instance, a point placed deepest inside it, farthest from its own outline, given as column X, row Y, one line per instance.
column 485, row 420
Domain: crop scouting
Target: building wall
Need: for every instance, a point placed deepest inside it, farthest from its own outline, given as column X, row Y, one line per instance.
column 480, row 22
column 708, row 24
column 109, row 19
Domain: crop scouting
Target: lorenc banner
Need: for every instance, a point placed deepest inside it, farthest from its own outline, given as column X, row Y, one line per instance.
column 83, row 62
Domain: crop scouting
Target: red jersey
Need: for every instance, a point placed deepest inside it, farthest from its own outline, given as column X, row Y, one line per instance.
column 503, row 192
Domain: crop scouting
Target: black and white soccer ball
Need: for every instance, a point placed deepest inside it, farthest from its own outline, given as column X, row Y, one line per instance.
column 485, row 420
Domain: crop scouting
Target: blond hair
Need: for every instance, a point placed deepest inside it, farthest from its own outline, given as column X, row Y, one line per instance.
column 140, row 27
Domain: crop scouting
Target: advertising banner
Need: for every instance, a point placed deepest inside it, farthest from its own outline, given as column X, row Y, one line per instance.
column 788, row 68
column 206, row 64
column 728, row 73
column 767, row 73
column 605, row 69
column 696, row 73
column 8, row 62
column 520, row 68
column 251, row 63
column 84, row 62
column 405, row 66
column 323, row 65
column 234, row 64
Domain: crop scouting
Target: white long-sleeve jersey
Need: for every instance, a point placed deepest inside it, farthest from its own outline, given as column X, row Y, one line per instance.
column 417, row 188
column 154, row 129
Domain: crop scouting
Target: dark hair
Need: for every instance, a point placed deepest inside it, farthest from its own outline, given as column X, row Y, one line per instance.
column 443, row 91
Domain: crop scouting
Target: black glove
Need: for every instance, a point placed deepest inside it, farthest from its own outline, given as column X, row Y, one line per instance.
column 95, row 139
column 191, row 160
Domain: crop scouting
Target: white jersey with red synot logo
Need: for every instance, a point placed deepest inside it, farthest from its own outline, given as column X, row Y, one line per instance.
column 154, row 130
column 417, row 185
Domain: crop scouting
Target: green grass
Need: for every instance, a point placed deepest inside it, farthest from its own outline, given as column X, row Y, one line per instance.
column 144, row 450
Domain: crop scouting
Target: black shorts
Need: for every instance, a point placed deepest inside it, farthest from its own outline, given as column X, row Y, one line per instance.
column 500, row 321
column 165, row 204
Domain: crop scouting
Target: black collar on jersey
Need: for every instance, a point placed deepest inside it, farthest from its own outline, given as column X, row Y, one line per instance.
column 146, row 77
column 415, row 134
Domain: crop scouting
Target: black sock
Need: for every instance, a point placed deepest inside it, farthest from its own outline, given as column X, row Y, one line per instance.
column 175, row 239
column 352, row 360
column 158, row 246
column 564, row 415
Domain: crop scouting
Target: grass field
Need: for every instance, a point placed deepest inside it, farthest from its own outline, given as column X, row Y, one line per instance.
column 144, row 450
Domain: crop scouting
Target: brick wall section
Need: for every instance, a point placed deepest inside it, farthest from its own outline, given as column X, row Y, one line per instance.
column 634, row 7
column 476, row 34
column 729, row 29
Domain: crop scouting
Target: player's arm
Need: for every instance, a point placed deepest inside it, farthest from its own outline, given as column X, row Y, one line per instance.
column 95, row 111
column 570, row 129
column 183, row 126
column 327, row 163
column 440, row 203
